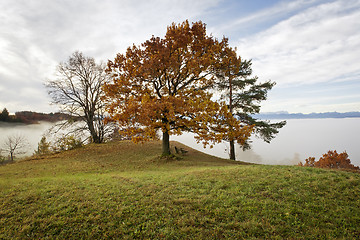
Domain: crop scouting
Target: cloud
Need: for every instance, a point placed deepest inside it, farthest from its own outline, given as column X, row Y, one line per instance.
column 303, row 48
column 312, row 104
column 265, row 16
column 295, row 43
column 36, row 35
column 69, row 25
column 309, row 51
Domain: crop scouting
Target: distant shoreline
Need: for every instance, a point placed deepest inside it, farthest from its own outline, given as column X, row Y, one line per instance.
column 28, row 117
column 285, row 115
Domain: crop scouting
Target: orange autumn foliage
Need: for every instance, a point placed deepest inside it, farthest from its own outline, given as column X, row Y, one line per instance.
column 165, row 84
column 331, row 159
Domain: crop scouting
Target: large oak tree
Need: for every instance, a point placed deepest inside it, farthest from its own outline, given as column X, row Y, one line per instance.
column 165, row 83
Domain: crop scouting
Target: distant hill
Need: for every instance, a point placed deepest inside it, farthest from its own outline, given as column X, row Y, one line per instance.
column 34, row 117
column 31, row 117
column 286, row 115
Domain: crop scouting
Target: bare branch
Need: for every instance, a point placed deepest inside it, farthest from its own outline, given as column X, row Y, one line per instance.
column 14, row 145
column 78, row 91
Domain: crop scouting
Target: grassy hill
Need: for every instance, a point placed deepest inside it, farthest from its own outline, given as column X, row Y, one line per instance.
column 125, row 191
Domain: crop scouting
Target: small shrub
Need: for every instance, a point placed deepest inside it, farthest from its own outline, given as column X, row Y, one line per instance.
column 310, row 162
column 44, row 147
column 67, row 143
column 331, row 159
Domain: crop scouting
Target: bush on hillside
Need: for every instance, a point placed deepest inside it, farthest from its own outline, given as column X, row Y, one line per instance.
column 67, row 143
column 331, row 159
column 44, row 147
column 63, row 143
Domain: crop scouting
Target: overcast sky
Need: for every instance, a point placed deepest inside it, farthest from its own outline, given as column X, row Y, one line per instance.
column 310, row 48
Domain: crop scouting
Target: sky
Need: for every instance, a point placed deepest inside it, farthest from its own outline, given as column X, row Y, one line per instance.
column 310, row 48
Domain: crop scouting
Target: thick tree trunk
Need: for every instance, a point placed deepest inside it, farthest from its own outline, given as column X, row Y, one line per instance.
column 232, row 150
column 166, row 144
column 96, row 138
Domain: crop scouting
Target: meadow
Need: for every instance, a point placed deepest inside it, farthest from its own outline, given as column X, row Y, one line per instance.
column 120, row 190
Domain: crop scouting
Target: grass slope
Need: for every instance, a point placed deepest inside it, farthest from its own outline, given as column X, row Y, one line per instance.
column 122, row 190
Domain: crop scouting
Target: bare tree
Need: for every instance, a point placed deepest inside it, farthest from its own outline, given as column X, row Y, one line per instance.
column 78, row 91
column 15, row 145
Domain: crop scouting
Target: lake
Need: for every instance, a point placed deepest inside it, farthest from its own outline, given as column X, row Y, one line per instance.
column 298, row 140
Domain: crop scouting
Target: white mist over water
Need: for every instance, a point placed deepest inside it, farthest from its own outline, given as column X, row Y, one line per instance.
column 32, row 133
column 298, row 140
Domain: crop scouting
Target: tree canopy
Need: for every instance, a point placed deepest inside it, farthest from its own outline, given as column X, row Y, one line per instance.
column 165, row 84
column 4, row 115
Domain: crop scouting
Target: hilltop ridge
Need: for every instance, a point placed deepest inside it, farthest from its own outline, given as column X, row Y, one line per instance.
column 122, row 190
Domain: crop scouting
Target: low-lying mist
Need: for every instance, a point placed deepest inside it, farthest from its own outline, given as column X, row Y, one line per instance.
column 298, row 140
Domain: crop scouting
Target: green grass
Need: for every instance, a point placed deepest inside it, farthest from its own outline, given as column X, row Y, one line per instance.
column 125, row 191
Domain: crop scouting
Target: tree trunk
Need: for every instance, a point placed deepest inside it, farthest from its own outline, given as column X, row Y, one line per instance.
column 166, row 144
column 232, row 150
column 94, row 135
column 96, row 138
column 232, row 145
